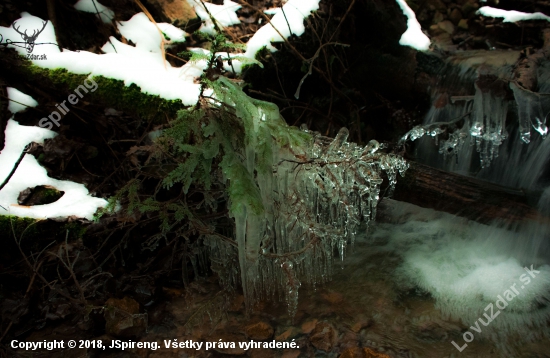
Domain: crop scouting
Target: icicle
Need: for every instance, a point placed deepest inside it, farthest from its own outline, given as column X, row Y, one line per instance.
column 314, row 193
column 338, row 141
column 533, row 111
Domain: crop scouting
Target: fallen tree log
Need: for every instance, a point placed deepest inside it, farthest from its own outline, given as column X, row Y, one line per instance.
column 468, row 197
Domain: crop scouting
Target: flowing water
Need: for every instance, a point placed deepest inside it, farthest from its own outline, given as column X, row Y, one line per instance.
column 420, row 283
column 515, row 163
column 465, row 266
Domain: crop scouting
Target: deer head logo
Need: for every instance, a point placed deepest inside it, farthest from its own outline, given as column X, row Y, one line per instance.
column 29, row 40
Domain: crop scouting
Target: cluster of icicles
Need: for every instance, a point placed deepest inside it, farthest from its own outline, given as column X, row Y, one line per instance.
column 484, row 117
column 314, row 202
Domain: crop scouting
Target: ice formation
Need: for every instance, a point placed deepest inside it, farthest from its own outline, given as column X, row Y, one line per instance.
column 449, row 126
column 413, row 37
column 107, row 15
column 297, row 198
column 483, row 121
column 316, row 205
column 314, row 193
column 466, row 266
column 488, row 123
column 75, row 200
column 480, row 120
column 511, row 15
column 533, row 109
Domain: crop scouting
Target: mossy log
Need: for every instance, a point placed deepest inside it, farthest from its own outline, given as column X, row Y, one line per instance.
column 110, row 92
column 463, row 196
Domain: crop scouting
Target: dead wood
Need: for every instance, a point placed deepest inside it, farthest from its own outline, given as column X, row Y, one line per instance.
column 463, row 196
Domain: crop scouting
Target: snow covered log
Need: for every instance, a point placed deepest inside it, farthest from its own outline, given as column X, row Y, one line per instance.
column 463, row 196
column 110, row 92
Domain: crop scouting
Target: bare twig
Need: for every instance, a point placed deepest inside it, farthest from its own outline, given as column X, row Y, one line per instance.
column 162, row 39
column 5, row 182
column 297, row 93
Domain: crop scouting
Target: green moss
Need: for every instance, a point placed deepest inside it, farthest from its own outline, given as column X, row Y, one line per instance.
column 10, row 225
column 110, row 92
column 76, row 230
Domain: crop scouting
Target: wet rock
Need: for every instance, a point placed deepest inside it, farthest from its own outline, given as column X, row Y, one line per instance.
column 362, row 322
column 455, row 16
column 173, row 293
column 177, row 12
column 438, row 17
column 354, row 352
column 323, row 337
column 469, row 9
column 308, row 326
column 447, row 26
column 289, row 333
column 435, row 30
column 259, row 331
column 369, row 353
column 333, row 297
column 443, row 40
column 436, row 5
column 228, row 337
column 357, row 352
column 236, row 304
column 291, row 354
column 463, row 24
column 262, row 353
column 348, row 340
column 122, row 317
column 434, row 330
column 423, row 15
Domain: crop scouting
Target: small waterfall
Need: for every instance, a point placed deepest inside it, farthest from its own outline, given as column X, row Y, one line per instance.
column 482, row 124
column 502, row 138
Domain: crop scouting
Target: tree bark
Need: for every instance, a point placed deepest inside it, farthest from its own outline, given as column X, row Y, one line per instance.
column 463, row 196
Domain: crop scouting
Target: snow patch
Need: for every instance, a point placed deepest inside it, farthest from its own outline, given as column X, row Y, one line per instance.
column 105, row 14
column 174, row 34
column 19, row 101
column 413, row 37
column 141, row 31
column 511, row 15
column 75, row 200
column 133, row 65
column 288, row 21
column 225, row 14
